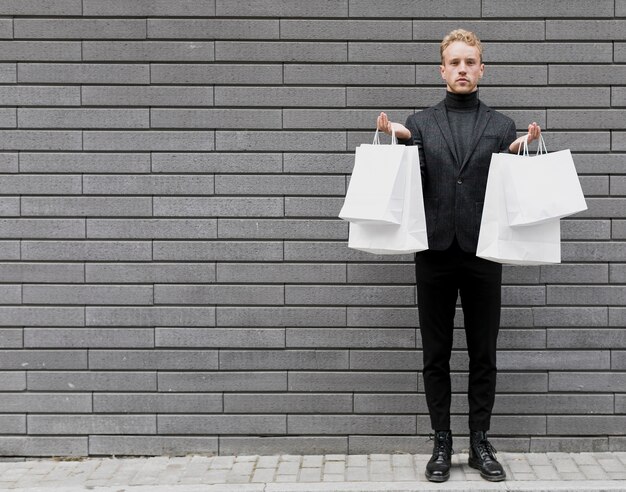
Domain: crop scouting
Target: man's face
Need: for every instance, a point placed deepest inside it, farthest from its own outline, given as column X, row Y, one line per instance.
column 461, row 67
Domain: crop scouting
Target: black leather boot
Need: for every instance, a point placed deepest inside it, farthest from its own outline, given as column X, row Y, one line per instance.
column 438, row 468
column 482, row 457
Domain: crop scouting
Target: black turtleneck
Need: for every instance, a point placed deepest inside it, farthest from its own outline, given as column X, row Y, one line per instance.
column 462, row 110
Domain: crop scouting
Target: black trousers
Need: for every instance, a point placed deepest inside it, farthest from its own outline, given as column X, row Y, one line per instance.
column 441, row 276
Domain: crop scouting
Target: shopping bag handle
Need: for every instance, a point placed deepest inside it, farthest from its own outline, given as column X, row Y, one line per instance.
column 394, row 140
column 541, row 147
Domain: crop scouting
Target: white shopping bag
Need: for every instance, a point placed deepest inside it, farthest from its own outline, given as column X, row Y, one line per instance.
column 516, row 245
column 410, row 235
column 542, row 187
column 376, row 190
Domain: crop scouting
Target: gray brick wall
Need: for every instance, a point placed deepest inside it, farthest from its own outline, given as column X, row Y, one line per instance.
column 173, row 274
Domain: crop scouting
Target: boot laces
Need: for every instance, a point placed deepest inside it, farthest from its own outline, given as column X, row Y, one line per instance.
column 485, row 449
column 441, row 447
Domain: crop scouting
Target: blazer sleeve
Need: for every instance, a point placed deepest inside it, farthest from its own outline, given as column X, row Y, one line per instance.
column 509, row 136
column 416, row 139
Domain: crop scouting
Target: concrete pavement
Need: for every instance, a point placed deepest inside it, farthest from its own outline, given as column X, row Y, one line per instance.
column 554, row 472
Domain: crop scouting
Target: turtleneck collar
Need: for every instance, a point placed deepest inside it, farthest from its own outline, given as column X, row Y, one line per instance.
column 461, row 102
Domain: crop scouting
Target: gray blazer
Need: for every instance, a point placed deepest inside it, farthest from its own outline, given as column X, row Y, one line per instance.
column 454, row 186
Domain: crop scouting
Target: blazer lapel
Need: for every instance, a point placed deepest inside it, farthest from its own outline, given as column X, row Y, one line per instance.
column 444, row 126
column 482, row 118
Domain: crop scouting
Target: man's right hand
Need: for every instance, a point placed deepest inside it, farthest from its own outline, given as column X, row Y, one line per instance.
column 384, row 125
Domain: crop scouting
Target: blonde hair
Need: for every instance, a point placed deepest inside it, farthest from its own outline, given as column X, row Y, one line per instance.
column 467, row 37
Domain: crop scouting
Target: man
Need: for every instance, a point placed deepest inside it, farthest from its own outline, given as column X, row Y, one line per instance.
column 456, row 139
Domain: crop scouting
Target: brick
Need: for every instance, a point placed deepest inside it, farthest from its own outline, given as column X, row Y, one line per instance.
column 547, row 52
column 148, row 185
column 288, row 403
column 40, row 140
column 341, row 118
column 620, row 403
column 523, row 295
column 586, row 338
column 150, row 316
column 151, row 228
column 144, row 51
column 282, row 229
column 87, row 294
column 46, row 403
column 91, row 381
column 586, row 295
column 516, row 274
column 389, row 403
column 569, row 425
column 8, row 72
column 42, row 228
column 10, row 250
column 617, row 316
column 25, row 184
column 11, row 338
column 417, row 9
column 147, row 140
column 86, row 206
column 588, row 382
column 220, row 337
column 91, row 424
column 382, row 316
column 217, row 250
column 585, row 229
column 489, row 30
column 35, row 7
column 604, row 208
column 350, row 424
column 41, row 316
column 617, row 273
column 549, row 97
column 590, row 251
column 83, row 73
column 40, row 50
column 219, row 294
column 619, row 141
column 213, row 28
column 353, row 381
column 83, row 118
column 575, row 274
column 382, row 52
column 87, row 250
column 252, row 360
column 223, row 73
column 521, row 339
column 9, row 163
column 620, row 8
column 586, row 119
column 383, row 98
column 215, row 118
column 160, row 360
column 609, row 30
column 6, row 28
column 345, row 30
column 147, row 96
column 184, row 8
column 80, row 28
column 34, row 360
column 218, row 206
column 83, row 163
column 222, row 424
column 44, row 446
column 312, row 206
column 271, row 141
column 40, row 96
column 349, row 74
column 9, row 206
column 385, row 273
column 156, row 403
column 601, row 75
column 588, row 142
column 13, row 381
column 620, row 52
column 553, row 404
column 558, row 8
column 552, row 360
column 350, row 295
column 568, row 444
column 281, row 316
column 280, row 51
column 280, row 96
column 216, row 162
column 570, row 316
column 350, row 337
column 8, row 118
column 88, row 338
column 11, row 294
column 279, row 185
column 283, row 8
column 393, row 444
column 279, row 273
column 511, row 424
column 618, row 359
column 13, row 424
column 618, row 185
column 222, row 381
column 151, row 445
column 398, row 360
column 148, row 272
